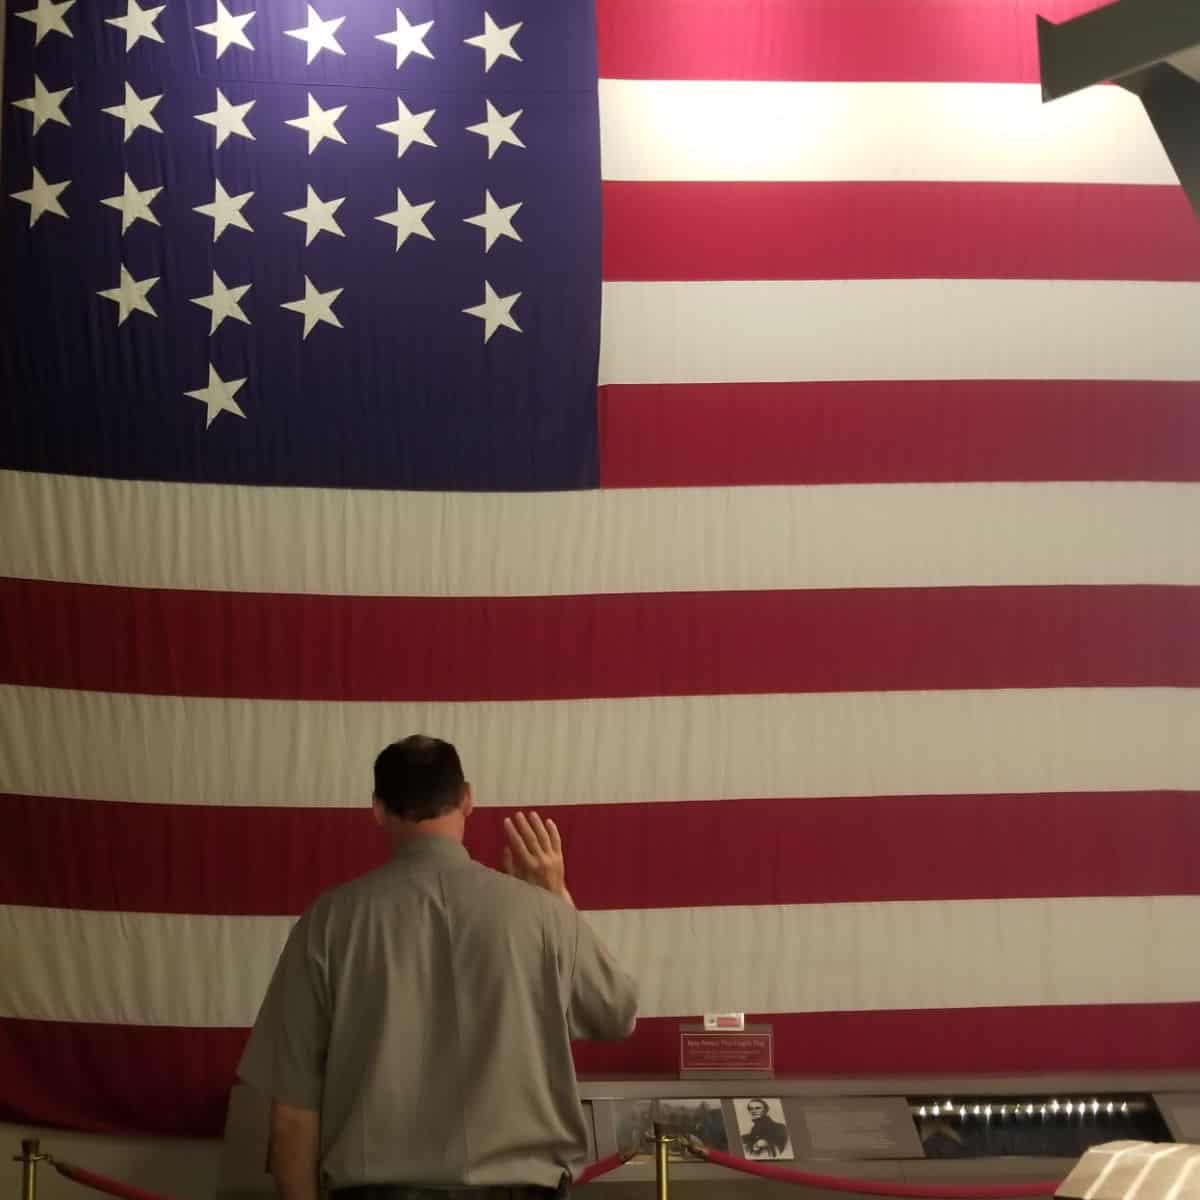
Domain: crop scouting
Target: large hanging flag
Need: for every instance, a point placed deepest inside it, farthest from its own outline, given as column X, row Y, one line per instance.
column 762, row 432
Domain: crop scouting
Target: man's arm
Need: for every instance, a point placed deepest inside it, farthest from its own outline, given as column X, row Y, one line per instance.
column 284, row 1058
column 603, row 998
column 295, row 1150
column 603, row 1003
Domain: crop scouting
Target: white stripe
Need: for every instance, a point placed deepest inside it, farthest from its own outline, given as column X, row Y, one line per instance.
column 172, row 750
column 151, row 969
column 137, row 968
column 676, row 539
column 688, row 129
column 738, row 331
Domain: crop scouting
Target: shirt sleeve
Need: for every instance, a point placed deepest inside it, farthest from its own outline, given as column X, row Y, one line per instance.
column 285, row 1056
column 603, row 1002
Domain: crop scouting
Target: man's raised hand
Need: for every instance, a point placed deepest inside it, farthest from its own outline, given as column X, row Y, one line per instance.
column 534, row 853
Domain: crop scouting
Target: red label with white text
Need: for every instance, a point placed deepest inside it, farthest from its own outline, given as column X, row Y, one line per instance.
column 737, row 1053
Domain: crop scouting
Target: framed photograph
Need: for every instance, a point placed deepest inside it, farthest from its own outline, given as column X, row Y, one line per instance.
column 701, row 1119
column 763, row 1128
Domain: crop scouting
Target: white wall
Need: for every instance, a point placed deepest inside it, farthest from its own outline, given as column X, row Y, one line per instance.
column 181, row 1168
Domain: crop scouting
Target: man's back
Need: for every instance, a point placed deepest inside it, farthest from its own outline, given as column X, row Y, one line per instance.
column 428, row 1010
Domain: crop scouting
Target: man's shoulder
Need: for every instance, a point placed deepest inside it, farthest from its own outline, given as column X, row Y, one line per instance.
column 510, row 897
column 517, row 898
column 345, row 896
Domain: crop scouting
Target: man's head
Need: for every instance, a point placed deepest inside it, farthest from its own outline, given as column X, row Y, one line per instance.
column 756, row 1109
column 420, row 779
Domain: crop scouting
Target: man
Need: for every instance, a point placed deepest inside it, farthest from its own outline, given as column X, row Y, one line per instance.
column 767, row 1137
column 416, row 1033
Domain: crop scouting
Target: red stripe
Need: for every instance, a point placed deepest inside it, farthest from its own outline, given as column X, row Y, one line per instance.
column 1117, row 1037
column 704, row 230
column 395, row 648
column 696, row 435
column 991, row 41
column 117, row 1078
column 69, row 853
column 183, row 1076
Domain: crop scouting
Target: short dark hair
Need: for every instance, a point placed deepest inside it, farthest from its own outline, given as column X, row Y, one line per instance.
column 419, row 778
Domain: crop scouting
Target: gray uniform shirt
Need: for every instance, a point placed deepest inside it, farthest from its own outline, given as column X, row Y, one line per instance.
column 426, row 1011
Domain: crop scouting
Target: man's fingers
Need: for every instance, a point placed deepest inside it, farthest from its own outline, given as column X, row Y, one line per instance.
column 506, row 860
column 521, row 838
column 545, row 844
column 533, row 842
column 555, row 838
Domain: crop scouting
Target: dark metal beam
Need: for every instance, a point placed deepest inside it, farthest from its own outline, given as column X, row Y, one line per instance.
column 1112, row 42
column 1172, row 101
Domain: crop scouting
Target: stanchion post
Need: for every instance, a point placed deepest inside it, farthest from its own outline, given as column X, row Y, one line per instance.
column 29, row 1159
column 662, row 1146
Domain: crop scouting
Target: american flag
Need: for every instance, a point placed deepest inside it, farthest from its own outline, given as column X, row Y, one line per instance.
column 759, row 432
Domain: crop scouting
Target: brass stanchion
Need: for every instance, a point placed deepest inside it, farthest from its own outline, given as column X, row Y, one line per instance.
column 29, row 1159
column 662, row 1171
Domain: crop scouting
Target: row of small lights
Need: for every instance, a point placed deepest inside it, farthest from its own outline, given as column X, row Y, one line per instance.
column 1050, row 1107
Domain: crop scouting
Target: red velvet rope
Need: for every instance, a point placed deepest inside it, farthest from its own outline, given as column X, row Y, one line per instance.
column 601, row 1167
column 877, row 1187
column 114, row 1187
column 834, row 1183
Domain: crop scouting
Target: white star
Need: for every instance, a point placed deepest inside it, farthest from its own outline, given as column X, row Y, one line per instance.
column 49, row 17
column 138, row 23
column 494, row 311
column 498, row 129
column 315, row 307
column 320, row 123
column 136, row 112
column 408, row 127
column 228, row 118
column 45, row 106
column 42, row 197
column 408, row 39
column 130, row 295
column 133, row 205
column 225, row 210
column 218, row 397
column 318, row 35
column 494, row 221
column 408, row 219
column 228, row 29
column 317, row 216
column 495, row 42
column 223, row 302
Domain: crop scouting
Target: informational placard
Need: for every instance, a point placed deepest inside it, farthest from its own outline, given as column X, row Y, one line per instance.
column 720, row 1053
column 855, row 1128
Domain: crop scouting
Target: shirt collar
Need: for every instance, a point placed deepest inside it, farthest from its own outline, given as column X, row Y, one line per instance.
column 431, row 848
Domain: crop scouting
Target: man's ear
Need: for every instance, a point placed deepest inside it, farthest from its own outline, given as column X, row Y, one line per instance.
column 468, row 802
column 380, row 812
